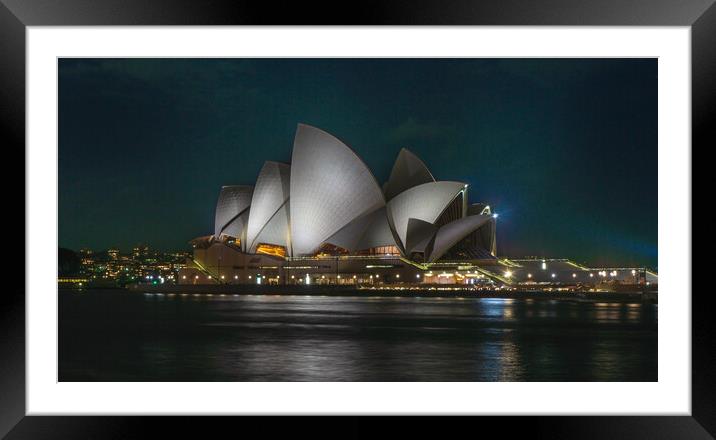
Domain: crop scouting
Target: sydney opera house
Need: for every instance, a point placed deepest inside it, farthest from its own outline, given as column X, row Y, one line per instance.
column 326, row 205
column 325, row 219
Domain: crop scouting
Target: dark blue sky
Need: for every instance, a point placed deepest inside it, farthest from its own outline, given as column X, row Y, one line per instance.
column 565, row 150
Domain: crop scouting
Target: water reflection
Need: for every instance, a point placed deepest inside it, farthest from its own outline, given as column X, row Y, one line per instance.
column 198, row 337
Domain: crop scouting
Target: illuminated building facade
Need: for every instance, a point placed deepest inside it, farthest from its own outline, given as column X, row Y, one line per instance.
column 327, row 203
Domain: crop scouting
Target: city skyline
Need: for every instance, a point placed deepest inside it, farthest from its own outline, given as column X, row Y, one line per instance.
column 564, row 150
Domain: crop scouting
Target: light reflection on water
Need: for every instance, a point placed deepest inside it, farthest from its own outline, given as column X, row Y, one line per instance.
column 120, row 336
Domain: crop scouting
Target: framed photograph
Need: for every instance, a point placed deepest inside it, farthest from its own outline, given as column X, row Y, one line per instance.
column 477, row 209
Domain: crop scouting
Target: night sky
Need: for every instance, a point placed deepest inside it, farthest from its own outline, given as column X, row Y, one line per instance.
column 564, row 150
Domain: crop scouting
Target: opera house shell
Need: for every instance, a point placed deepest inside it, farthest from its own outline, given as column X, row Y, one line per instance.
column 327, row 201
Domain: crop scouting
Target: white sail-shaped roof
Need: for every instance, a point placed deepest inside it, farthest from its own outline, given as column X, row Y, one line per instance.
column 237, row 227
column 479, row 208
column 350, row 235
column 408, row 171
column 270, row 195
column 330, row 187
column 419, row 236
column 423, row 202
column 378, row 233
column 233, row 200
column 451, row 233
column 368, row 231
column 275, row 231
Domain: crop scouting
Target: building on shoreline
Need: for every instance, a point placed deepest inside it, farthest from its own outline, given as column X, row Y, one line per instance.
column 324, row 219
column 112, row 268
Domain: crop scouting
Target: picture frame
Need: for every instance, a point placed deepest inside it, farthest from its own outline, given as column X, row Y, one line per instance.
column 16, row 15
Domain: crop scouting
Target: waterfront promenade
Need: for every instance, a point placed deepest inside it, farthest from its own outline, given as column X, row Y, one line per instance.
column 436, row 291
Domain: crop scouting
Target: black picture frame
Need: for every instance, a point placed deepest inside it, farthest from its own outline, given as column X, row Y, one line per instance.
column 16, row 15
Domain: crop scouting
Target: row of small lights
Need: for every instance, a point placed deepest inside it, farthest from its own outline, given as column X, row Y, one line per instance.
column 508, row 274
column 602, row 273
column 236, row 277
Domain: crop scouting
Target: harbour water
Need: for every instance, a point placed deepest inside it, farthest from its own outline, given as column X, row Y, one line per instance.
column 122, row 336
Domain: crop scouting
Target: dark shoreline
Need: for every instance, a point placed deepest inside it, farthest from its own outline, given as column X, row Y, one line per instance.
column 348, row 291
